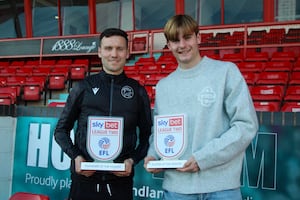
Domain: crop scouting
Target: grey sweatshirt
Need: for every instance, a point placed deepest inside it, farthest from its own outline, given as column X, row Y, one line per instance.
column 221, row 124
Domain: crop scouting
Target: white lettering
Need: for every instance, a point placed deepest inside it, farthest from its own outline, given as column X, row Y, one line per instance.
column 38, row 145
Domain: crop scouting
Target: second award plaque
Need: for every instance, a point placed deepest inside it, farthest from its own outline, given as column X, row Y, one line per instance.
column 170, row 140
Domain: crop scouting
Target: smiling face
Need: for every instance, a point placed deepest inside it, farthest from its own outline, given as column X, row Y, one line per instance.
column 113, row 52
column 185, row 49
column 182, row 34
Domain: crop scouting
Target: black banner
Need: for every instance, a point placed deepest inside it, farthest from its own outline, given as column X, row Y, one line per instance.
column 76, row 45
column 20, row 48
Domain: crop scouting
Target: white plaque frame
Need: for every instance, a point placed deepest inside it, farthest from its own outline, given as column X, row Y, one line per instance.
column 104, row 143
column 169, row 133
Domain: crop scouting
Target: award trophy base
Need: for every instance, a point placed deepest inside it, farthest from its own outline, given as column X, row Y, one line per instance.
column 102, row 166
column 166, row 164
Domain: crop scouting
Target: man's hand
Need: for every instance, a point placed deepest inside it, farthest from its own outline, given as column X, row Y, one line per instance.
column 152, row 170
column 128, row 168
column 190, row 166
column 78, row 170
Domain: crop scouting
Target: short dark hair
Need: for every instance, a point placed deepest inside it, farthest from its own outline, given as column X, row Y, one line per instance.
column 113, row 32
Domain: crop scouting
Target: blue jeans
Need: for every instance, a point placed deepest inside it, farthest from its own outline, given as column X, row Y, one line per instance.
column 234, row 194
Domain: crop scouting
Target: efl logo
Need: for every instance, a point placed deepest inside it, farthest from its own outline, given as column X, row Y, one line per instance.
column 176, row 122
column 111, row 125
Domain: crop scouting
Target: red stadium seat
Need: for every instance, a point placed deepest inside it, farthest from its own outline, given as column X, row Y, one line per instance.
column 272, row 78
column 166, row 60
column 251, row 66
column 57, row 104
column 2, row 81
column 31, row 93
column 278, row 66
column 152, row 79
column 166, row 69
column 131, row 69
column 41, row 71
column 149, row 69
column 267, row 93
column 145, row 61
column 257, row 56
column 9, row 93
column 250, row 77
column 8, row 72
column 266, row 106
column 290, row 107
column 77, row 73
column 295, row 78
column 28, row 196
column 233, row 57
column 292, row 93
column 283, row 56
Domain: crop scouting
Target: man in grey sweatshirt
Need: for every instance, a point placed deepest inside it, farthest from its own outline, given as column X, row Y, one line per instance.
column 221, row 119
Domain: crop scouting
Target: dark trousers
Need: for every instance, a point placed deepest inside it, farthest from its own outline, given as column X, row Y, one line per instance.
column 119, row 189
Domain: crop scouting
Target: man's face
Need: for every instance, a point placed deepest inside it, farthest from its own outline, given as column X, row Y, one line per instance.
column 185, row 49
column 113, row 53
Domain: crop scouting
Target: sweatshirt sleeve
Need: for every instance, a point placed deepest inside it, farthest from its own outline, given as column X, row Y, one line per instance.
column 239, row 119
column 66, row 123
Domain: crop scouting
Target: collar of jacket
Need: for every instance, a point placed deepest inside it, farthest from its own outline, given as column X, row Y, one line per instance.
column 117, row 78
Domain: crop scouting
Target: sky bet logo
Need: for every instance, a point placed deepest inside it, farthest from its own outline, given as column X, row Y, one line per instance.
column 106, row 125
column 111, row 125
column 172, row 122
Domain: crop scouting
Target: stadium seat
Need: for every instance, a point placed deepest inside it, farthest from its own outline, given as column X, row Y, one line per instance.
column 233, row 57
column 28, row 196
column 82, row 62
column 9, row 93
column 168, row 68
column 250, row 78
column 269, row 50
column 149, row 69
column 152, row 79
column 272, row 78
column 17, row 63
column 255, row 67
column 31, row 93
column 3, row 81
column 283, row 56
column 290, row 107
column 145, row 61
column 134, row 69
column 267, row 93
column 77, row 73
column 297, row 65
column 41, row 71
column 25, row 71
column 166, row 59
column 295, row 78
column 292, row 93
column 8, row 72
column 278, row 66
column 257, row 57
column 266, row 106
column 56, row 104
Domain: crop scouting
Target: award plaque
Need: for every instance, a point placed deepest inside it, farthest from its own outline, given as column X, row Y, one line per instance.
column 169, row 141
column 104, row 143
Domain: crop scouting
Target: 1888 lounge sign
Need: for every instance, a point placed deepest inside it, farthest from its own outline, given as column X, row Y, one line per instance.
column 76, row 45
